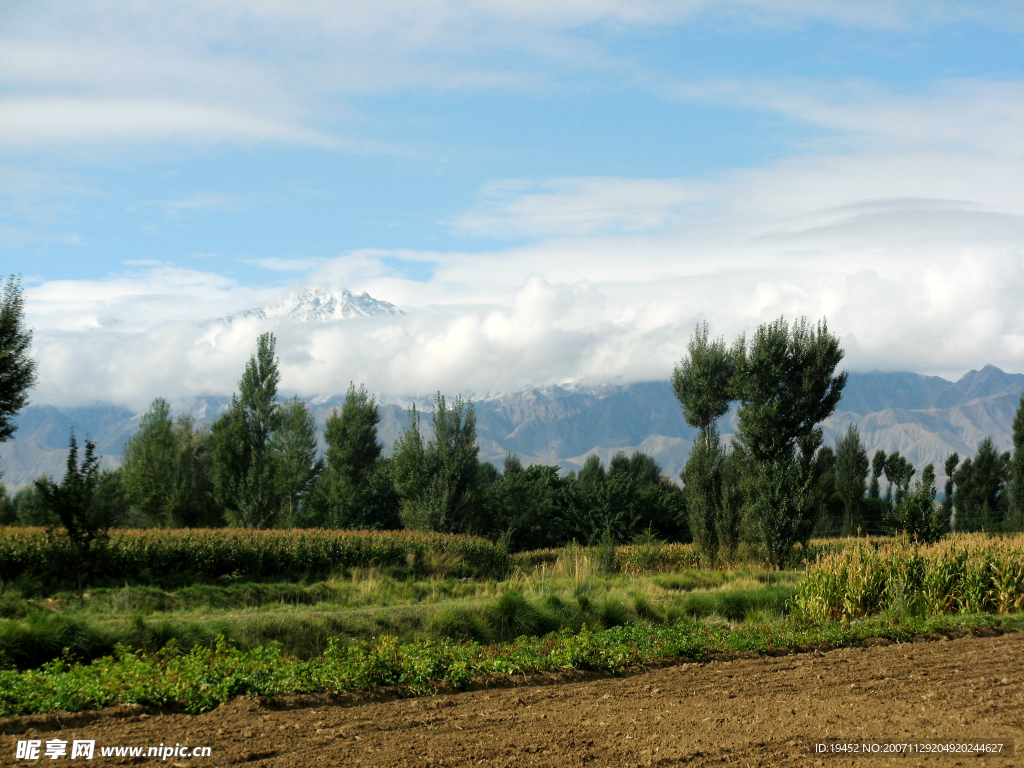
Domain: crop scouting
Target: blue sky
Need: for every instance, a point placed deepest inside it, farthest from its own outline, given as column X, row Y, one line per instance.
column 554, row 191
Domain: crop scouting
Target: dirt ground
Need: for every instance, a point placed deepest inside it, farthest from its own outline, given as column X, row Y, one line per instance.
column 742, row 712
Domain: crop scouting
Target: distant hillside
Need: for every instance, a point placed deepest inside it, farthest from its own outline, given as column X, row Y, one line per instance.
column 925, row 417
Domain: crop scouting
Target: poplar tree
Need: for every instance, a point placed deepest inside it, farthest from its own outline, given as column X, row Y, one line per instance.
column 17, row 369
column 703, row 384
column 851, row 472
column 437, row 479
column 355, row 490
column 947, row 498
column 245, row 470
column 295, row 448
column 1015, row 487
column 787, row 385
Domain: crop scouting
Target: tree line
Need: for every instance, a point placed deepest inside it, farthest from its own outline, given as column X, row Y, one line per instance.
column 774, row 486
column 778, row 484
column 259, row 465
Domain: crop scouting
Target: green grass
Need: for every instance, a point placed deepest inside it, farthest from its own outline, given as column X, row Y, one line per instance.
column 304, row 619
column 198, row 645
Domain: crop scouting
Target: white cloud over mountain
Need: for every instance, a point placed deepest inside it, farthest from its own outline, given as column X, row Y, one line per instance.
column 900, row 217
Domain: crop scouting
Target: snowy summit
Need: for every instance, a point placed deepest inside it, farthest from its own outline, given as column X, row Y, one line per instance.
column 320, row 305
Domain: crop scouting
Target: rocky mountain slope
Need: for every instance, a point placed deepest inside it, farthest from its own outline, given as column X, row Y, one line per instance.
column 925, row 417
column 321, row 304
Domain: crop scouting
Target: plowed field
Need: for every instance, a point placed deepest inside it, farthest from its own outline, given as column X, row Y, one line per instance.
column 742, row 712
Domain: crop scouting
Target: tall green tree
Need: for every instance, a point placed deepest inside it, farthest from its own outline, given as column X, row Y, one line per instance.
column 947, row 497
column 916, row 512
column 437, row 480
column 990, row 475
column 166, row 473
column 703, row 383
column 851, row 472
column 356, row 489
column 296, row 454
column 786, row 382
column 877, row 468
column 898, row 473
column 8, row 512
column 1015, row 486
column 980, row 501
column 88, row 502
column 17, row 369
column 245, row 469
column 702, row 478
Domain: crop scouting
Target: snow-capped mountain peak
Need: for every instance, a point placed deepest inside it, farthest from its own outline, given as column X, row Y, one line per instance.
column 321, row 304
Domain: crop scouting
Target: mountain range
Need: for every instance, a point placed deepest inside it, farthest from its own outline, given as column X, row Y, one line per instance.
column 926, row 418
column 320, row 304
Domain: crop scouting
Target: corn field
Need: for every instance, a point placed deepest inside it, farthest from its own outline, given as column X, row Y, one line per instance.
column 141, row 556
column 966, row 573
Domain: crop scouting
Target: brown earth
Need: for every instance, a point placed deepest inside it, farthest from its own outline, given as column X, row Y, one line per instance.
column 742, row 712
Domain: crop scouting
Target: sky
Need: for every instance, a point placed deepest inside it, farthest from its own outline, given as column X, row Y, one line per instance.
column 553, row 192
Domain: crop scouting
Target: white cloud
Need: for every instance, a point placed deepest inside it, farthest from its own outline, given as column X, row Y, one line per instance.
column 967, row 114
column 27, row 121
column 285, row 265
column 943, row 314
column 255, row 71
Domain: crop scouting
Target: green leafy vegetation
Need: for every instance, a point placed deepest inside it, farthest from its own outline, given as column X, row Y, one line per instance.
column 201, row 679
column 961, row 574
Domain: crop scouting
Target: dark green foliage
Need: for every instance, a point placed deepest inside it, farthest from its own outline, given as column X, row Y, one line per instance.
column 898, row 473
column 88, row 503
column 43, row 637
column 245, row 470
column 703, row 379
column 702, row 476
column 512, row 616
column 8, row 512
column 17, row 368
column 30, row 509
column 437, row 480
column 526, row 508
column 851, row 472
column 591, row 475
column 353, row 449
column 632, row 497
column 703, row 384
column 786, row 503
column 786, row 388
column 729, row 524
column 947, row 499
column 166, row 467
column 295, row 451
column 916, row 514
column 1015, row 485
column 356, row 489
column 877, row 468
column 980, row 499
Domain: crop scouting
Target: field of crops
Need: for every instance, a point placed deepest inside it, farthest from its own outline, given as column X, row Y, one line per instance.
column 153, row 556
column 425, row 610
column 960, row 574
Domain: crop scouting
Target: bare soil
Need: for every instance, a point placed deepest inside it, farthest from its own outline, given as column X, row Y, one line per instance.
column 739, row 711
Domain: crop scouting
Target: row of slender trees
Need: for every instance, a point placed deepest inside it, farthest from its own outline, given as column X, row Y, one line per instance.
column 260, row 465
column 777, row 483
